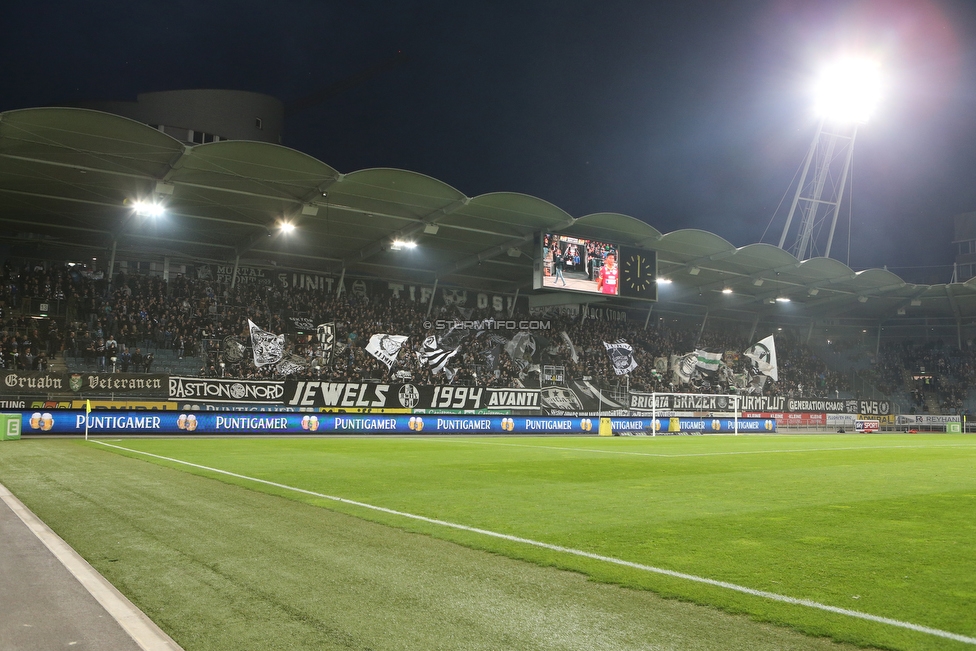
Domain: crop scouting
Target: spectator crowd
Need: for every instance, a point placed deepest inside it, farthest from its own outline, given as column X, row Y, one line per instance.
column 123, row 328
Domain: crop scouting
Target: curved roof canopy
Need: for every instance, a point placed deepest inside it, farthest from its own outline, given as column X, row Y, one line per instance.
column 70, row 177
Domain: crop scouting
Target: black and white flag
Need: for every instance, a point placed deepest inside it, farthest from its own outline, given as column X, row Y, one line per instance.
column 266, row 346
column 436, row 355
column 621, row 356
column 385, row 347
column 325, row 334
column 763, row 354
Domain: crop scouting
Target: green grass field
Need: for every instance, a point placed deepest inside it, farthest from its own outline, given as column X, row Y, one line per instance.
column 881, row 525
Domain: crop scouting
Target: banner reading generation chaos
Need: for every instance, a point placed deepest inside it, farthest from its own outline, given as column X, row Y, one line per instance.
column 349, row 395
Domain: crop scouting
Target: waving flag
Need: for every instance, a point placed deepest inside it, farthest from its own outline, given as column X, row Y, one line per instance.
column 385, row 347
column 763, row 354
column 266, row 346
column 436, row 355
column 621, row 356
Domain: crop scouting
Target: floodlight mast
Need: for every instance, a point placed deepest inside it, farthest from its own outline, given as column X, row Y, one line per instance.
column 846, row 95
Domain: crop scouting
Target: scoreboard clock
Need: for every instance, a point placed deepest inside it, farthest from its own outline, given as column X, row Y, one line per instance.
column 638, row 273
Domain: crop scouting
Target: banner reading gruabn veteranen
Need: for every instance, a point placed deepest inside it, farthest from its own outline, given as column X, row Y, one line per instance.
column 45, row 383
column 348, row 395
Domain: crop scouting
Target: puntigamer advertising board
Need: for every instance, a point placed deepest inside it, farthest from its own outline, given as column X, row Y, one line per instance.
column 165, row 422
column 196, row 422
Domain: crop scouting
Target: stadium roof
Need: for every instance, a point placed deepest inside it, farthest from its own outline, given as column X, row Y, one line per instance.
column 69, row 179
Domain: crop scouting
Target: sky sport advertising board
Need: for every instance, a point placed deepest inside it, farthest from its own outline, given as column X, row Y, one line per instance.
column 195, row 422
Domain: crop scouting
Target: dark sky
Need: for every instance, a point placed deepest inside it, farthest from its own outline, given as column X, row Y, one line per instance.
column 687, row 114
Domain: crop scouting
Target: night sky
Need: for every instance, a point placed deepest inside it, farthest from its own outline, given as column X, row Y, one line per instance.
column 687, row 114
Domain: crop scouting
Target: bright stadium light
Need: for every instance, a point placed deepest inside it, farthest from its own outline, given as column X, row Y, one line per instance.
column 287, row 227
column 848, row 90
column 663, row 281
column 149, row 208
column 727, row 290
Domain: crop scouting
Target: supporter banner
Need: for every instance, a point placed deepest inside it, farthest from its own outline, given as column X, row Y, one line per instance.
column 644, row 402
column 880, row 407
column 692, row 402
column 579, row 396
column 198, row 422
column 299, row 325
column 344, row 395
column 222, row 390
column 44, row 383
column 928, row 420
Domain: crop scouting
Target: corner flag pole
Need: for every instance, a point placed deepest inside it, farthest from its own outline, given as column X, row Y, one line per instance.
column 87, row 411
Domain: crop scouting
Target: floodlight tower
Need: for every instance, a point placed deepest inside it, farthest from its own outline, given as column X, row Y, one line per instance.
column 846, row 95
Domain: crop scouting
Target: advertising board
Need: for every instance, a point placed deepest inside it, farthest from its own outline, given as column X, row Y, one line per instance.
column 197, row 422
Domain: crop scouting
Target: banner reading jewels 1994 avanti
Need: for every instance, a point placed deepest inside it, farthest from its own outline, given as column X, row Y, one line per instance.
column 360, row 395
column 162, row 422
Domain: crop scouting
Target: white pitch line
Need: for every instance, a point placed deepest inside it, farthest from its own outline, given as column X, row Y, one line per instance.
column 577, row 552
column 689, row 454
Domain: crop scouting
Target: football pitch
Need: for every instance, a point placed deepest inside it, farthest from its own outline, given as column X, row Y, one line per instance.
column 752, row 541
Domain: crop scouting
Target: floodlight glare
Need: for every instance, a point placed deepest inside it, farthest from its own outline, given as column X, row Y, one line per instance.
column 727, row 290
column 287, row 227
column 848, row 90
column 783, row 299
column 663, row 281
column 148, row 208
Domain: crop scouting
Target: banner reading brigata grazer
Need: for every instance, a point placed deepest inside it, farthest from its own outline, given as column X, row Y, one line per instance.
column 348, row 395
column 45, row 383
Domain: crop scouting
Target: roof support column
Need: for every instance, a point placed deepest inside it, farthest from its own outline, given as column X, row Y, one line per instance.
column 342, row 278
column 755, row 324
column 958, row 333
column 511, row 309
column 233, row 278
column 704, row 321
column 809, row 333
column 648, row 319
column 877, row 347
column 111, row 264
column 430, row 303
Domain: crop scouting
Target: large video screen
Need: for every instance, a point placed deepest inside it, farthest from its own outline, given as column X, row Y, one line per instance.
column 578, row 265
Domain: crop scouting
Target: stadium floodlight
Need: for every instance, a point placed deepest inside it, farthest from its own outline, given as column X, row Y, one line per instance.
column 149, row 208
column 400, row 244
column 287, row 227
column 663, row 281
column 727, row 290
column 783, row 299
column 848, row 89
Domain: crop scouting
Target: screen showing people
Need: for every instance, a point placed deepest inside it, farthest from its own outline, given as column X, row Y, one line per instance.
column 581, row 265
